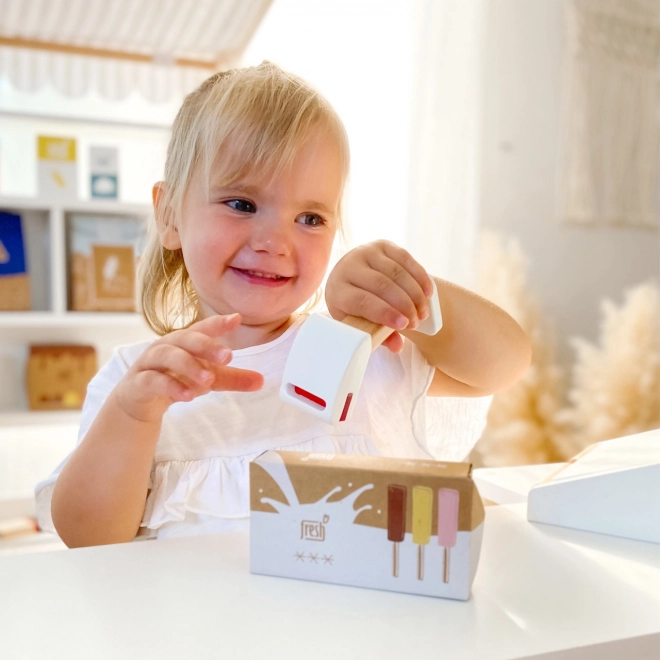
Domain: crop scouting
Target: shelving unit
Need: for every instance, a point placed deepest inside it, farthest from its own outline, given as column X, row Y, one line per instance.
column 50, row 319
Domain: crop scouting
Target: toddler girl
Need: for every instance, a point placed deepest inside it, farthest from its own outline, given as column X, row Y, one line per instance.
column 246, row 218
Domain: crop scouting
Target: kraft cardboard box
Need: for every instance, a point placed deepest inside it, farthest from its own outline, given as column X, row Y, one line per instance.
column 57, row 376
column 404, row 525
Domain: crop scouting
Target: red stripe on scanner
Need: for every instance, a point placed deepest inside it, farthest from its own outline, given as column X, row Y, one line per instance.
column 347, row 405
column 308, row 395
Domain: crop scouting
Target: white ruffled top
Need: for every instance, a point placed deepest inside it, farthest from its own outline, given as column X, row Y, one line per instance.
column 199, row 481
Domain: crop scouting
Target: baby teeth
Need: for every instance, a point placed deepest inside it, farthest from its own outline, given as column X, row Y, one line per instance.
column 270, row 277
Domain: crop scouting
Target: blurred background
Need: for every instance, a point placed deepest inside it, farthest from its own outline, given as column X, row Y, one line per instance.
column 513, row 146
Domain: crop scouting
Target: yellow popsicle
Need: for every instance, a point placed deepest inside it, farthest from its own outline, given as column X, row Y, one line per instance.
column 422, row 511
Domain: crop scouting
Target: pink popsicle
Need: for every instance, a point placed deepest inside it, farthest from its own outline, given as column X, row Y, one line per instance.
column 448, row 501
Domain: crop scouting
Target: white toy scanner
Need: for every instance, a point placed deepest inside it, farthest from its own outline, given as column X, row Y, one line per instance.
column 325, row 367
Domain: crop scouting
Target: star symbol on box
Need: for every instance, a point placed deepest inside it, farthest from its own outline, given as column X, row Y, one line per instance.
column 327, row 559
column 314, row 558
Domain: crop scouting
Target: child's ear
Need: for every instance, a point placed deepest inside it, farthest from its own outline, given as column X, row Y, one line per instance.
column 165, row 221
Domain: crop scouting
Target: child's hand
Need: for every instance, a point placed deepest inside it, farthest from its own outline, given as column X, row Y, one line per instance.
column 181, row 366
column 382, row 283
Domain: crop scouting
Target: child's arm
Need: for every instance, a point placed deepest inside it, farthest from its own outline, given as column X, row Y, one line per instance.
column 100, row 494
column 480, row 348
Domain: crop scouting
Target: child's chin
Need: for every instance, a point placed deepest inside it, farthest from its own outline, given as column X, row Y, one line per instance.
column 258, row 311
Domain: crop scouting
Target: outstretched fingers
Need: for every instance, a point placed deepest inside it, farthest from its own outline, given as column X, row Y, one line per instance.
column 193, row 361
column 237, row 380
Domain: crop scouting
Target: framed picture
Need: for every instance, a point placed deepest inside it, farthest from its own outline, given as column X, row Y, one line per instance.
column 104, row 252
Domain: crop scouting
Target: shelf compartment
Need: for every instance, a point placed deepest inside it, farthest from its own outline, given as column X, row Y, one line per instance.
column 36, row 228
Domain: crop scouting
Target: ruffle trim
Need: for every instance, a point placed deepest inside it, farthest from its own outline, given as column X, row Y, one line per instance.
column 218, row 486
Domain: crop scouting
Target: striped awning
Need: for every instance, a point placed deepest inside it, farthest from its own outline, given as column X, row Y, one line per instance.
column 161, row 48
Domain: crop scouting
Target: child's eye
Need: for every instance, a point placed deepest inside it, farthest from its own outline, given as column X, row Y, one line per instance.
column 310, row 220
column 241, row 205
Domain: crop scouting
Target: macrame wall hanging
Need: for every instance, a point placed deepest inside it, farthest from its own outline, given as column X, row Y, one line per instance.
column 612, row 147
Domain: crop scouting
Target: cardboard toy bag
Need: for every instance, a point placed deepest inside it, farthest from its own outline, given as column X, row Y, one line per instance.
column 57, row 376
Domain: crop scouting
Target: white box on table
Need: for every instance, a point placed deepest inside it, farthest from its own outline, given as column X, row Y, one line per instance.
column 366, row 521
column 612, row 487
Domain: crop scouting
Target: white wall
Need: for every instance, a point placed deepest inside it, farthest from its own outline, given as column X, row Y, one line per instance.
column 572, row 268
column 30, row 453
column 359, row 56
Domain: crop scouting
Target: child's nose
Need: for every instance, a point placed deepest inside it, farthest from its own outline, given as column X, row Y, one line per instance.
column 272, row 237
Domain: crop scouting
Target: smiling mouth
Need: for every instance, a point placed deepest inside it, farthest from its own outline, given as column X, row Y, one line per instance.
column 257, row 274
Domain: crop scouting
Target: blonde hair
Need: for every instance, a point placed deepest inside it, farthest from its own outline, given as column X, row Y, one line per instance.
column 259, row 117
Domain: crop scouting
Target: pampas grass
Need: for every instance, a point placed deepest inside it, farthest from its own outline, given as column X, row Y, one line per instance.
column 616, row 383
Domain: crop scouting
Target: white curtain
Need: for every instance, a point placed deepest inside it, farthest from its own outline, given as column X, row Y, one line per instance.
column 445, row 166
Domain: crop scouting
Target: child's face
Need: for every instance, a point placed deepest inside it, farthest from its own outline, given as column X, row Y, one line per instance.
column 261, row 246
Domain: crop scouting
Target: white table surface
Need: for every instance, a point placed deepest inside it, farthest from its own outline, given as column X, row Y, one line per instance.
column 540, row 591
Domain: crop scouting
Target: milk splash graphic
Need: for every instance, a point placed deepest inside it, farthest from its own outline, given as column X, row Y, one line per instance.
column 312, row 517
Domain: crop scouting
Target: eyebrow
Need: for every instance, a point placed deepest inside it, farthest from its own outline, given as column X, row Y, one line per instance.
column 247, row 189
column 317, row 206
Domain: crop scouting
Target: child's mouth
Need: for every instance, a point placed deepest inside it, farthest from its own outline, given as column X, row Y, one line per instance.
column 259, row 277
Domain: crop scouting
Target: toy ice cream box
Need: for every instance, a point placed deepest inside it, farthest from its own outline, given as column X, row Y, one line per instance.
column 413, row 526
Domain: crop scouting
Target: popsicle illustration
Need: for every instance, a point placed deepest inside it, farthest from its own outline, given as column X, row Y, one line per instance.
column 396, row 521
column 447, row 524
column 422, row 511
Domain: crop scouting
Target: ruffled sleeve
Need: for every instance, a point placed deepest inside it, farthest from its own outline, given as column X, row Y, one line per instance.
column 214, row 486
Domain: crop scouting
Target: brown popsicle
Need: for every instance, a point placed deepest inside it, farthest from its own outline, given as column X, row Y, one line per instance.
column 396, row 521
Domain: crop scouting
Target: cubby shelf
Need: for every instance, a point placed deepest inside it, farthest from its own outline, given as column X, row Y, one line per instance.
column 45, row 225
